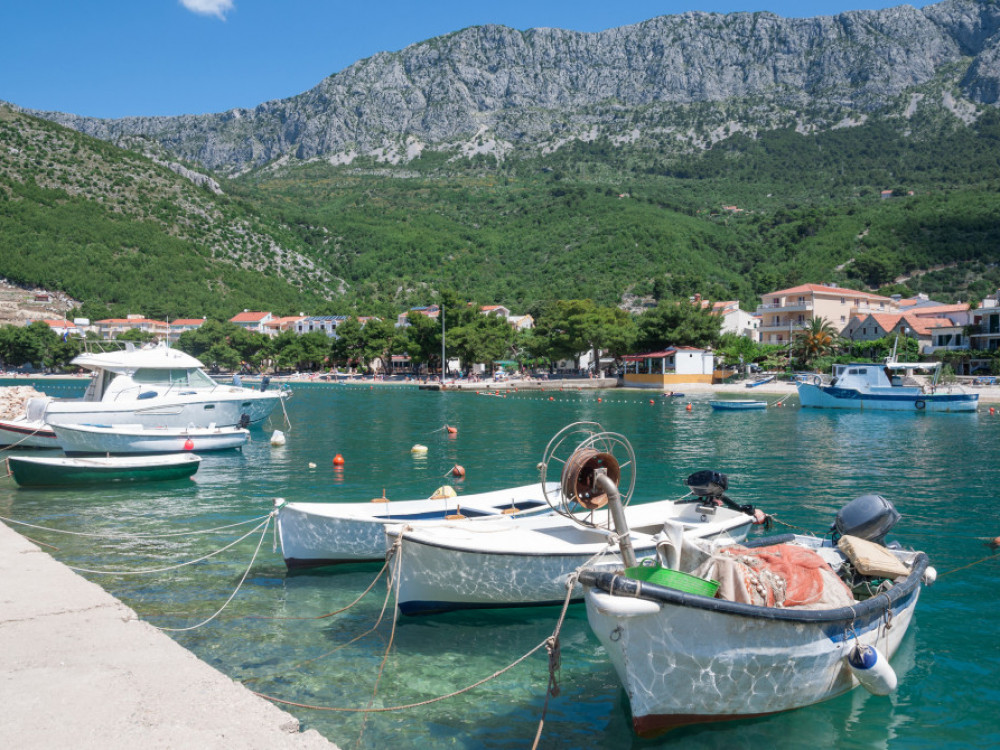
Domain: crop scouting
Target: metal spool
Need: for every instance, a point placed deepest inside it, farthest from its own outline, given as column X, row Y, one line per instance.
column 578, row 477
column 584, row 449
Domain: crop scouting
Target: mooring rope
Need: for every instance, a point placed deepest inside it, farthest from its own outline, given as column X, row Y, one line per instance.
column 135, row 536
column 263, row 525
column 235, row 591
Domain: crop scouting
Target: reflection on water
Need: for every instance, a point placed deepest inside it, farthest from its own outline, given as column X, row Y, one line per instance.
column 800, row 465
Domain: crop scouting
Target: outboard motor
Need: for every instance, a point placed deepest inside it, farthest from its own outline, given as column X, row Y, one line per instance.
column 870, row 517
column 708, row 483
column 710, row 488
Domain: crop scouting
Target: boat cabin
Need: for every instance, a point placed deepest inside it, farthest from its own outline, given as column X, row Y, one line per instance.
column 867, row 376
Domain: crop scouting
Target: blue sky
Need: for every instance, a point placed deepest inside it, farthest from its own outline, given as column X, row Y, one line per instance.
column 116, row 58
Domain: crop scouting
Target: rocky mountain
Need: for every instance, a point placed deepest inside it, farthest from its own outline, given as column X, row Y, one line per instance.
column 676, row 82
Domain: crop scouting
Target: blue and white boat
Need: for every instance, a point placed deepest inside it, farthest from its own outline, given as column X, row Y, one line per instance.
column 890, row 386
column 741, row 404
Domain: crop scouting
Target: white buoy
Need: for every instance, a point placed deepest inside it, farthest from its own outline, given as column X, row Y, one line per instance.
column 930, row 575
column 277, row 438
column 872, row 669
column 418, row 448
column 312, row 465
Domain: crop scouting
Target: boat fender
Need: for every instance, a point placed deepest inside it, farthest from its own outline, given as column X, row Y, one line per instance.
column 920, row 405
column 872, row 669
column 277, row 438
column 929, row 576
column 817, row 380
column 189, row 445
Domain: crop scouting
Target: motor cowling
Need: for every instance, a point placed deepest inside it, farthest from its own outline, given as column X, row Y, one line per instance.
column 708, row 483
column 870, row 517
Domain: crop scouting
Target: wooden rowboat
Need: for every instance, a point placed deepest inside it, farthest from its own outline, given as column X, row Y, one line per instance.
column 37, row 471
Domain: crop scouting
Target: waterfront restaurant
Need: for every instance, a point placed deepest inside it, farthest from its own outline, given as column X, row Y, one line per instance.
column 678, row 364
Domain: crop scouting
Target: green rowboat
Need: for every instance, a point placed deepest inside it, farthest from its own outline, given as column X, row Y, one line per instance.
column 37, row 471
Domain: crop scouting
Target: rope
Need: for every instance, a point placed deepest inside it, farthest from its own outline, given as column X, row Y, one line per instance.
column 965, row 567
column 28, row 435
column 134, row 536
column 265, row 524
column 389, row 554
column 429, row 701
column 552, row 646
column 235, row 591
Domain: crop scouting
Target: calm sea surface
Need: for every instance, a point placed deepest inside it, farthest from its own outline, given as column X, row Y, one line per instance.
column 941, row 471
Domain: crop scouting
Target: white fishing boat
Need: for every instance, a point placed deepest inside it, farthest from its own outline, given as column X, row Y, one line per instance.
column 155, row 386
column 887, row 387
column 527, row 562
column 131, row 439
column 788, row 622
column 315, row 534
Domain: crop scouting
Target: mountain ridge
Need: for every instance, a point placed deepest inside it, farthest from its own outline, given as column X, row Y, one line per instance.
column 500, row 89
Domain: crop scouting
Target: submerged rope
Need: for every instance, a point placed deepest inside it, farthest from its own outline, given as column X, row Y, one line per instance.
column 235, row 591
column 134, row 536
column 263, row 525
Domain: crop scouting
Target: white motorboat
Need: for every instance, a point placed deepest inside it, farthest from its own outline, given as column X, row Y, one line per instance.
column 887, row 387
column 315, row 534
column 130, row 439
column 797, row 620
column 524, row 563
column 155, row 386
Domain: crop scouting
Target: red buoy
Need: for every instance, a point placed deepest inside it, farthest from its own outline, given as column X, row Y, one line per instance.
column 338, row 460
column 458, row 471
column 189, row 445
column 451, row 430
column 689, row 407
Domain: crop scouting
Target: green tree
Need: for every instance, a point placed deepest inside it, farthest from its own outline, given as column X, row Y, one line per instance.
column 818, row 339
column 677, row 323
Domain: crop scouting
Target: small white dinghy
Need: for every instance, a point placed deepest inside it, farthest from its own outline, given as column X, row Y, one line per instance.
column 124, row 439
column 797, row 620
column 527, row 562
column 315, row 534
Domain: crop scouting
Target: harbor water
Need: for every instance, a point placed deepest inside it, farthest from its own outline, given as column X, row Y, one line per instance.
column 799, row 465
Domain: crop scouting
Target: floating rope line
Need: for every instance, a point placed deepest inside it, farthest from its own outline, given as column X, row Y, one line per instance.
column 135, row 536
column 263, row 525
column 972, row 564
column 235, row 591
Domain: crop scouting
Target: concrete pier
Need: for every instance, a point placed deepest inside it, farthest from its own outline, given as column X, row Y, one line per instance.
column 79, row 669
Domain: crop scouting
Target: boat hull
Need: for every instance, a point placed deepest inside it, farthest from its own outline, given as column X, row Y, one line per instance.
column 318, row 534
column 832, row 397
column 84, row 439
column 501, row 563
column 27, row 434
column 737, row 405
column 691, row 659
column 199, row 410
column 58, row 472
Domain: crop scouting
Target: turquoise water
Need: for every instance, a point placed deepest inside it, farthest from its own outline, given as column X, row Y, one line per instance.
column 800, row 465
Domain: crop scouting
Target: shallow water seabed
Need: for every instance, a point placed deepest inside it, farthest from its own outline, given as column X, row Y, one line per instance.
column 801, row 465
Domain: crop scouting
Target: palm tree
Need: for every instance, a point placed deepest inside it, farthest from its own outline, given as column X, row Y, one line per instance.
column 816, row 340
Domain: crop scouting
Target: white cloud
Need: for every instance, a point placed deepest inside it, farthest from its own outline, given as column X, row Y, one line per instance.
column 217, row 8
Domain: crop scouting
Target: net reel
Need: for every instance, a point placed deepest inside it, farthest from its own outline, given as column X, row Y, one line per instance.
column 580, row 453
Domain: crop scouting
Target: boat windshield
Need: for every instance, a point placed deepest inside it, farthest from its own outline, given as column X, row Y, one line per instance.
column 189, row 378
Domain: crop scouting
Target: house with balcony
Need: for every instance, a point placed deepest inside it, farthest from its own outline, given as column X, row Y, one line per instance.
column 985, row 334
column 737, row 321
column 678, row 364
column 786, row 311
column 183, row 325
column 280, row 325
column 252, row 321
column 325, row 323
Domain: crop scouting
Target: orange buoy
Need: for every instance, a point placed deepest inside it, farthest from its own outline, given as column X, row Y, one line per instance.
column 552, row 398
column 338, row 460
column 458, row 470
column 994, row 542
column 991, row 410
column 689, row 407
column 451, row 430
column 651, row 401
column 189, row 445
column 598, row 399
